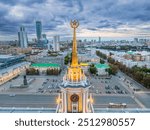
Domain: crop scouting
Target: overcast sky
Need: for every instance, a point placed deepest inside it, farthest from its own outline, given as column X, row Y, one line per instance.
column 105, row 18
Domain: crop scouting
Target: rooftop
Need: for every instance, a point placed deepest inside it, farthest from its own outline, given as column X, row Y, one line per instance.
column 45, row 65
column 5, row 56
column 103, row 66
column 11, row 56
column 130, row 52
column 13, row 67
column 84, row 64
column 88, row 55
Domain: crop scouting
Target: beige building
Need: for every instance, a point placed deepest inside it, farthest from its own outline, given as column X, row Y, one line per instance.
column 12, row 71
column 88, row 58
column 137, row 57
column 15, row 50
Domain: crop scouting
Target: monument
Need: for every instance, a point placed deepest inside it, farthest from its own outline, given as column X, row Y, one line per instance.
column 25, row 80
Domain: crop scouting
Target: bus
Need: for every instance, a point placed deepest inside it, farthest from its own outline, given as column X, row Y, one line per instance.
column 117, row 105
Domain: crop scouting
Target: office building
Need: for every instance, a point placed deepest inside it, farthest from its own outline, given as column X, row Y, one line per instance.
column 99, row 40
column 44, row 39
column 136, row 40
column 38, row 30
column 44, row 36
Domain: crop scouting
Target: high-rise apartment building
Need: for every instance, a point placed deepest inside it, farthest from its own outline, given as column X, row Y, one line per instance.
column 22, row 36
column 56, row 41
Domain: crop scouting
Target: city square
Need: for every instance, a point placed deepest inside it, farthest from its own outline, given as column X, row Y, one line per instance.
column 43, row 91
column 68, row 62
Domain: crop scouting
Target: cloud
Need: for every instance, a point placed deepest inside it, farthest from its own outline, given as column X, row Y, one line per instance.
column 118, row 17
column 25, row 2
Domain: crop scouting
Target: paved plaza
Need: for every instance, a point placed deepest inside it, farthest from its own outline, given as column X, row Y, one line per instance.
column 43, row 91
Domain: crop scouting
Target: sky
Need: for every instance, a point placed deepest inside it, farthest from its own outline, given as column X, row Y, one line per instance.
column 104, row 18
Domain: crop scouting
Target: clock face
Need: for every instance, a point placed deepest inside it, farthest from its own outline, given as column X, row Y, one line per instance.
column 74, row 98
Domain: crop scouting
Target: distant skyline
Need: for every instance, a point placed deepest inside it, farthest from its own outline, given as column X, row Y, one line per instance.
column 106, row 18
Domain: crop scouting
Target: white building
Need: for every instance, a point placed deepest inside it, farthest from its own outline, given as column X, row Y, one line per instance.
column 147, row 57
column 85, row 67
column 42, row 67
column 88, row 58
column 102, row 69
column 130, row 62
column 56, row 41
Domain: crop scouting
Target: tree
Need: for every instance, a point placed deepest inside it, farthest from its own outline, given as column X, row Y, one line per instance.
column 67, row 58
column 32, row 71
column 53, row 71
column 110, row 53
column 93, row 69
column 139, row 76
column 111, row 60
column 49, row 71
column 102, row 61
column 100, row 54
column 37, row 72
column 112, row 70
column 146, row 81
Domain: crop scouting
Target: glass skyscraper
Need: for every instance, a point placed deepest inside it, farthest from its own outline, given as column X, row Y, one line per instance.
column 38, row 30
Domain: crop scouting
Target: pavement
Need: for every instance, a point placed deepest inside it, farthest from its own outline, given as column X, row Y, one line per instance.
column 43, row 92
column 142, row 97
column 37, row 101
column 49, row 101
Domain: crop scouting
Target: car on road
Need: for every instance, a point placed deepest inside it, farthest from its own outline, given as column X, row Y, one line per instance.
column 120, row 92
column 12, row 95
column 49, row 86
column 107, row 87
column 44, row 82
column 50, row 91
column 116, row 87
column 108, row 92
column 97, row 92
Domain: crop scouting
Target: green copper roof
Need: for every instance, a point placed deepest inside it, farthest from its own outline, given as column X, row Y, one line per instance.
column 130, row 52
column 104, row 66
column 46, row 65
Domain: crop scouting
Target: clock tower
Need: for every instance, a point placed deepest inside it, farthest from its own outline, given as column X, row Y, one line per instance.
column 74, row 96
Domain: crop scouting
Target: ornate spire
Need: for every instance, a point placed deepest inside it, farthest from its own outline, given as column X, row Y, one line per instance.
column 74, row 24
column 74, row 73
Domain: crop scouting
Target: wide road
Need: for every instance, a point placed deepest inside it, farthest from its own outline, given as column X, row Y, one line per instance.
column 103, row 101
column 27, row 101
column 49, row 101
column 144, row 97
